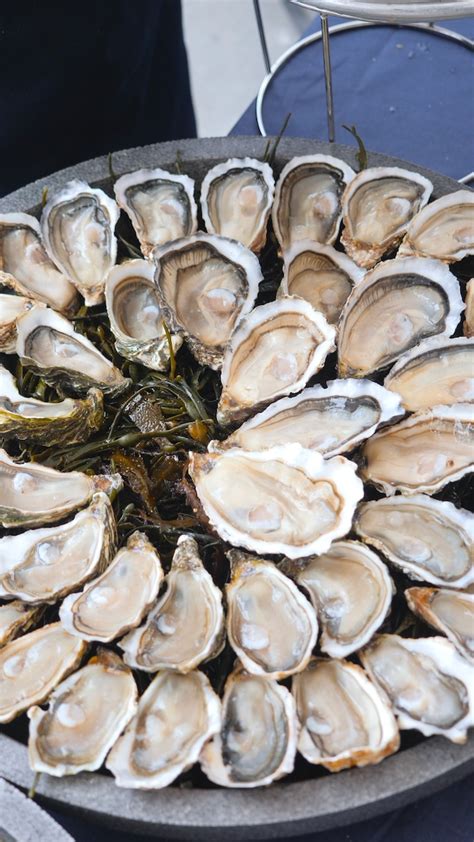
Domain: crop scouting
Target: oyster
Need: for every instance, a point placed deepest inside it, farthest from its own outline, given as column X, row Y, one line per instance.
column 429, row 539
column 135, row 316
column 332, row 419
column 469, row 311
column 398, row 304
column 205, row 285
column 351, row 592
column 116, row 601
column 320, row 275
column 257, row 741
column 443, row 229
column 273, row 352
column 422, row 453
column 78, row 225
column 42, row 565
column 49, row 344
column 31, row 494
column 450, row 612
column 160, row 205
column 270, row 624
column 345, row 720
column 437, row 371
column 236, row 200
column 86, row 714
column 26, row 268
column 430, row 686
column 16, row 618
column 186, row 626
column 283, row 500
column 32, row 665
column 377, row 207
column 176, row 715
column 66, row 422
column 308, row 197
column 11, row 308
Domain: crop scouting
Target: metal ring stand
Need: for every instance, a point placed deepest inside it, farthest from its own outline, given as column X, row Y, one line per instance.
column 324, row 36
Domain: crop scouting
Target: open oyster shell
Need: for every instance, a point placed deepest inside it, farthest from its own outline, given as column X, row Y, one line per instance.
column 271, row 626
column 257, row 741
column 11, row 308
column 48, row 343
column 308, row 198
column 176, row 715
column 42, row 565
column 319, row 274
column 345, row 720
column 430, row 686
column 286, row 499
column 443, row 229
column 32, row 665
column 273, row 352
column 377, row 207
column 205, row 285
column 26, row 268
column 116, row 601
column 398, row 304
column 331, row 419
column 134, row 313
column 78, row 225
column 435, row 372
column 422, row 453
column 351, row 591
column 429, row 539
column 186, row 626
column 16, row 618
column 450, row 612
column 469, row 311
column 160, row 205
column 86, row 714
column 236, row 200
column 31, row 494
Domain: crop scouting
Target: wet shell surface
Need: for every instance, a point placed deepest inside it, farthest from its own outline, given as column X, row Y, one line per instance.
column 16, row 618
column 11, row 308
column 450, row 612
column 443, row 229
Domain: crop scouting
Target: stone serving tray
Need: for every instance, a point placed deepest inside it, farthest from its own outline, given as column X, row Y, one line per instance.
column 284, row 808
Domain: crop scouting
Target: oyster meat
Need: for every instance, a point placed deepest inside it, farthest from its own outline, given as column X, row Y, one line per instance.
column 345, row 720
column 16, row 618
column 398, row 304
column 271, row 626
column 308, row 198
column 186, row 626
column 78, row 225
column 430, row 686
column 86, row 714
column 422, row 453
column 443, row 229
column 11, row 308
column 236, row 200
column 273, row 352
column 283, row 500
column 176, row 716
column 377, row 207
column 469, row 311
column 450, row 612
column 257, row 741
column 160, row 205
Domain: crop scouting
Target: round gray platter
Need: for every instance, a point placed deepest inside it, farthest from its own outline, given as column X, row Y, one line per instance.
column 283, row 809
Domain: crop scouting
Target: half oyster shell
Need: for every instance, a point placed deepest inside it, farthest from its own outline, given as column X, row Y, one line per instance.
column 16, row 618
column 86, row 714
column 273, row 352
column 176, row 715
column 283, row 500
column 377, row 207
column 160, row 205
column 236, row 200
column 11, row 308
column 345, row 720
column 443, row 229
column 271, row 626
column 450, row 612
column 257, row 741
column 398, row 304
column 308, row 198
column 186, row 626
column 469, row 311
column 205, row 285
column 78, row 225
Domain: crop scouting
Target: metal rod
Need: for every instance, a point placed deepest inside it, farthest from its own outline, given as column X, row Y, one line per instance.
column 261, row 32
column 328, row 77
